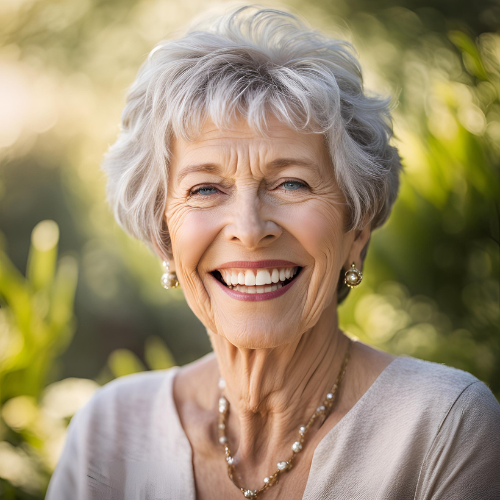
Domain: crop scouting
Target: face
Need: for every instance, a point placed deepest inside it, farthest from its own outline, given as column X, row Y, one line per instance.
column 257, row 231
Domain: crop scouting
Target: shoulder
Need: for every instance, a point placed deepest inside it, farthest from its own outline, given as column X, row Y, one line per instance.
column 430, row 379
column 478, row 397
column 132, row 394
column 475, row 412
column 126, row 390
column 429, row 370
column 433, row 390
column 127, row 436
column 121, row 418
column 462, row 459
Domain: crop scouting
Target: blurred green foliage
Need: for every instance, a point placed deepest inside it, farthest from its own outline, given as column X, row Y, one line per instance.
column 431, row 280
column 434, row 269
column 36, row 326
column 38, row 322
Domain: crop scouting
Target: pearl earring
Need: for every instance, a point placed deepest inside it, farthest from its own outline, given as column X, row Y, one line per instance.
column 169, row 278
column 353, row 276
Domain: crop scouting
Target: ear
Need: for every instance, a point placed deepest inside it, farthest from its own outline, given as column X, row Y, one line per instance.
column 358, row 247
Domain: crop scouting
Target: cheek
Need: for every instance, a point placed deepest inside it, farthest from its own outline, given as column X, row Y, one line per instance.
column 191, row 235
column 318, row 226
column 192, row 232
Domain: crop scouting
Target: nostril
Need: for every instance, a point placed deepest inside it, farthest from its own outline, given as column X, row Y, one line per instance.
column 252, row 231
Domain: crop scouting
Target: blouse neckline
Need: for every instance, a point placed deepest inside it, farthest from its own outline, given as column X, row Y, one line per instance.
column 370, row 393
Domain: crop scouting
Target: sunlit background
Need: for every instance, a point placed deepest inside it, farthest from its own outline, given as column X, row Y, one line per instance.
column 81, row 302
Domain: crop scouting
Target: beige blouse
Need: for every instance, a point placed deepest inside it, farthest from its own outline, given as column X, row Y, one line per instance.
column 422, row 431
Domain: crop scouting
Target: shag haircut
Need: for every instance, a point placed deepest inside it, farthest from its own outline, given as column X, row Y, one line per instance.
column 251, row 62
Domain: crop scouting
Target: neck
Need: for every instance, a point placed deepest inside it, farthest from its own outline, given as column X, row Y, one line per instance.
column 272, row 392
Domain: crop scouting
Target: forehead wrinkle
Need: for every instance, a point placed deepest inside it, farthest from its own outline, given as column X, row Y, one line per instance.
column 241, row 152
column 226, row 159
column 272, row 166
column 235, row 160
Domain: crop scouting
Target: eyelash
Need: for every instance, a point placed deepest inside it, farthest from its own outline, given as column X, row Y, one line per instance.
column 302, row 185
column 197, row 190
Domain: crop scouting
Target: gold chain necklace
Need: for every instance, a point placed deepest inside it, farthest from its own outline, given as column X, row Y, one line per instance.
column 323, row 410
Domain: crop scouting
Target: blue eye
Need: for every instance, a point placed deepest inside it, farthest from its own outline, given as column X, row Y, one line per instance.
column 205, row 190
column 292, row 185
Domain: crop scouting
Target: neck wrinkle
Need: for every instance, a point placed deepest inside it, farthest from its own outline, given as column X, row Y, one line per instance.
column 273, row 391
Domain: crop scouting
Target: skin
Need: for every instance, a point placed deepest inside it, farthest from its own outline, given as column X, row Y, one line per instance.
column 279, row 357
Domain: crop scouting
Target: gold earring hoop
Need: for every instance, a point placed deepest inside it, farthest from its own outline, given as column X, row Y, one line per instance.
column 169, row 278
column 353, row 276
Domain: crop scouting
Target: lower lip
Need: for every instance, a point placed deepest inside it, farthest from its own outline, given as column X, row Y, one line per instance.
column 253, row 297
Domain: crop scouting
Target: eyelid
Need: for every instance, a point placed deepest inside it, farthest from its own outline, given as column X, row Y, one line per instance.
column 195, row 190
column 304, row 184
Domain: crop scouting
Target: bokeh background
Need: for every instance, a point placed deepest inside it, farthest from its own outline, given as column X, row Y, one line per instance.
column 81, row 302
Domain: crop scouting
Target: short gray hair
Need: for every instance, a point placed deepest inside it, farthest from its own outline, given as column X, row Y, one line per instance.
column 250, row 62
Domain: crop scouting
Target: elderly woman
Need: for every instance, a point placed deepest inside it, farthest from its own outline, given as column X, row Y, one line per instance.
column 254, row 165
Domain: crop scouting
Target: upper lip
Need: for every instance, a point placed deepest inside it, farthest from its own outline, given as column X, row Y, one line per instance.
column 256, row 264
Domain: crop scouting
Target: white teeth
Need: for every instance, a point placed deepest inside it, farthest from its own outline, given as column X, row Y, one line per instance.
column 258, row 278
column 256, row 289
column 249, row 278
column 263, row 277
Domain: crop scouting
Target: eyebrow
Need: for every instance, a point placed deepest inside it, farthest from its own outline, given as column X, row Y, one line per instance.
column 210, row 168
column 286, row 162
column 213, row 168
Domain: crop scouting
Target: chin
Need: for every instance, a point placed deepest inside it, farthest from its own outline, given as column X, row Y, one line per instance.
column 258, row 335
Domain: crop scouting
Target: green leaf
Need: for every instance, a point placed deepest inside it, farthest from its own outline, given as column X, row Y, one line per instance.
column 157, row 354
column 43, row 254
column 124, row 362
column 470, row 53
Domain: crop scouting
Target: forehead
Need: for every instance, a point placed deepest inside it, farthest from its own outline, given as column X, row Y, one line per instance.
column 240, row 140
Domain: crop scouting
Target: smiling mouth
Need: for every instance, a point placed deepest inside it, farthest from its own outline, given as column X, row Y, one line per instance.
column 253, row 281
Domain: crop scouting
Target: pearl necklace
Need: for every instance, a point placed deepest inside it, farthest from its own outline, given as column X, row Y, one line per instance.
column 323, row 410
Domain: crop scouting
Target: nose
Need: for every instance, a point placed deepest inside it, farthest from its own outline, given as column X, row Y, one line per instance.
column 249, row 225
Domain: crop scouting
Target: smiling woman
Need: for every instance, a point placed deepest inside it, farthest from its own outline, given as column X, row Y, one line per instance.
column 256, row 167
column 273, row 203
